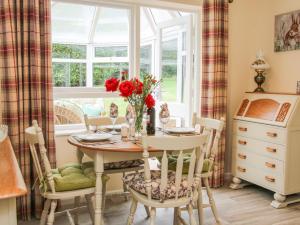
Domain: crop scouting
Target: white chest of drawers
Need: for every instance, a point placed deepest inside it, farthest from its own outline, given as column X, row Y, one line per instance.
column 266, row 145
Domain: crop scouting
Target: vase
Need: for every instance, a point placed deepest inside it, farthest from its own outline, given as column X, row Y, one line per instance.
column 139, row 112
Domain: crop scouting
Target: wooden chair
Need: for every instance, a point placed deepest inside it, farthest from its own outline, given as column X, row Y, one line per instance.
column 97, row 122
column 35, row 137
column 213, row 128
column 165, row 188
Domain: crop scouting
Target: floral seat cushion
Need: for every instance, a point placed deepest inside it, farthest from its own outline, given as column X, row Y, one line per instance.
column 136, row 181
column 117, row 165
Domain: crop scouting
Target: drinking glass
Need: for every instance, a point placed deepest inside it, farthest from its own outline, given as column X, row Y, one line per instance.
column 164, row 116
column 113, row 114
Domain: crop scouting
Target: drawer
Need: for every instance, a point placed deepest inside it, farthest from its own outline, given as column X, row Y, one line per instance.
column 262, row 132
column 267, row 149
column 261, row 178
column 262, row 163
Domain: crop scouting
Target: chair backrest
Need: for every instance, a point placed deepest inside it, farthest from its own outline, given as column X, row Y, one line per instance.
column 34, row 136
column 213, row 128
column 100, row 121
column 194, row 144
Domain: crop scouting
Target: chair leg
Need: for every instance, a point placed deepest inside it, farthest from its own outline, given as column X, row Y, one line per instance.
column 175, row 217
column 211, row 200
column 103, row 196
column 90, row 206
column 200, row 205
column 52, row 211
column 191, row 214
column 147, row 211
column 125, row 190
column 76, row 204
column 152, row 215
column 132, row 212
column 45, row 212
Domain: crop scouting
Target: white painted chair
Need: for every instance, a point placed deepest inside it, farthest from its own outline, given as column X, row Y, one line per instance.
column 213, row 128
column 165, row 188
column 35, row 137
column 133, row 165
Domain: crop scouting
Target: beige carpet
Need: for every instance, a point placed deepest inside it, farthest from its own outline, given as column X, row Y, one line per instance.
column 249, row 206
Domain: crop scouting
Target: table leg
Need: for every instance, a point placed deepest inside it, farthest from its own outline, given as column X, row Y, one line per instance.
column 98, row 190
column 79, row 155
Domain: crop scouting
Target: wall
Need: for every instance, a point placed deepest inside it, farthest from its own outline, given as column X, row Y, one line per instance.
column 251, row 27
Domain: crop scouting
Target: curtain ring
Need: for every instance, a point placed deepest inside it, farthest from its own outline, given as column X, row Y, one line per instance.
column 230, row 1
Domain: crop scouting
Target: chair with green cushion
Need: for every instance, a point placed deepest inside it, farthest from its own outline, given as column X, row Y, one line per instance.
column 213, row 128
column 69, row 181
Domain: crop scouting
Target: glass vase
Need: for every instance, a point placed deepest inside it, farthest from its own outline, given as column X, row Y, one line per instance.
column 139, row 110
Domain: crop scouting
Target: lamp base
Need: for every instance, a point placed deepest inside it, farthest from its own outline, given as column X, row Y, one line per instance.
column 259, row 79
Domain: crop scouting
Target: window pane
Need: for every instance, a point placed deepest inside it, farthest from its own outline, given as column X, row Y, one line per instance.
column 112, row 26
column 69, row 74
column 169, row 70
column 160, row 15
column 72, row 110
column 146, row 60
column 111, row 51
column 102, row 71
column 66, row 51
column 71, row 22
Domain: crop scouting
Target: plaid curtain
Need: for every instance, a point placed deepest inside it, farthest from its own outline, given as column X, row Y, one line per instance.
column 25, row 67
column 214, row 72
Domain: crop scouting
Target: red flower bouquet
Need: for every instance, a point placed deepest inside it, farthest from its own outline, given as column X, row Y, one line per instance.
column 137, row 93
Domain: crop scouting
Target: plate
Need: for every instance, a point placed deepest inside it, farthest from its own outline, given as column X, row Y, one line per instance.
column 110, row 127
column 94, row 137
column 180, row 130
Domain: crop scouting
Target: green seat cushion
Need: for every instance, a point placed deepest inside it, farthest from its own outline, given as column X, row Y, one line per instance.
column 74, row 176
column 172, row 163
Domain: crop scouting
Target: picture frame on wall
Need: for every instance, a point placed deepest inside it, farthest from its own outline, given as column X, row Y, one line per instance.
column 287, row 31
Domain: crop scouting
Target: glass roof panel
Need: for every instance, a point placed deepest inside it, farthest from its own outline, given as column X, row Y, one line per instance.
column 112, row 26
column 146, row 31
column 71, row 22
column 160, row 15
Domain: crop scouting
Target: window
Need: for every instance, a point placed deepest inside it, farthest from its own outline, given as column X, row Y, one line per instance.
column 93, row 42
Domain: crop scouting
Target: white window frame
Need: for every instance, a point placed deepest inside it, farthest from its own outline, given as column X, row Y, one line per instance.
column 134, row 7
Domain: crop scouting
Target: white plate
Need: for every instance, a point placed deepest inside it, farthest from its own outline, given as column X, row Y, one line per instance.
column 181, row 130
column 94, row 137
column 116, row 127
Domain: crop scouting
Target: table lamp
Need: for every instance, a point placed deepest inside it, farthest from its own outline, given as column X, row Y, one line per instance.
column 260, row 66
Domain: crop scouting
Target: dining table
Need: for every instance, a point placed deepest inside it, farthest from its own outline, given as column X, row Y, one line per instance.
column 115, row 150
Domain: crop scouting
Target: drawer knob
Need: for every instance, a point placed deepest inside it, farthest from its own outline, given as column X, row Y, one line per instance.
column 272, row 150
column 270, row 165
column 241, row 156
column 242, row 142
column 270, row 179
column 272, row 134
column 243, row 170
column 244, row 129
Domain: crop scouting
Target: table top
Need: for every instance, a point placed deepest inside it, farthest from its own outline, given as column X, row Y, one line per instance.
column 118, row 145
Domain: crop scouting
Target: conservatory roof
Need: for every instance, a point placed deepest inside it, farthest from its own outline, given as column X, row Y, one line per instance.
column 74, row 23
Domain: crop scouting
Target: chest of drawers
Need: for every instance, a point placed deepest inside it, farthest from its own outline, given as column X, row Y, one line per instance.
column 266, row 145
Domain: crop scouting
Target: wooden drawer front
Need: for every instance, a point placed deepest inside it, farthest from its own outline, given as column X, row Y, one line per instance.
column 262, row 132
column 259, row 177
column 262, row 163
column 267, row 149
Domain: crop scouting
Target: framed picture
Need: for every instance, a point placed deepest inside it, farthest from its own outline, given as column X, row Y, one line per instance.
column 287, row 31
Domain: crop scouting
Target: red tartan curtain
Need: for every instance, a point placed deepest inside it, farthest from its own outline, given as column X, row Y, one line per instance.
column 214, row 72
column 26, row 82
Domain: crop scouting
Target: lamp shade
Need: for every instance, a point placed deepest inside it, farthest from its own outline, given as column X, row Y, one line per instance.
column 260, row 63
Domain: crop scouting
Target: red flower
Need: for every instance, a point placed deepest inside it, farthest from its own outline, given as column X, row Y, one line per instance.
column 112, row 84
column 138, row 86
column 126, row 88
column 150, row 101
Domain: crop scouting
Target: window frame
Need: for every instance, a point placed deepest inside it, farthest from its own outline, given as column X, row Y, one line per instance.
column 134, row 46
